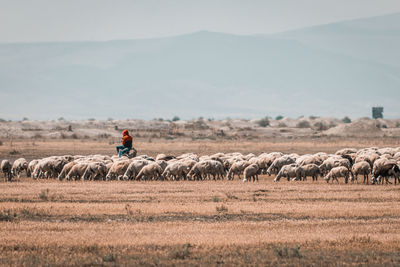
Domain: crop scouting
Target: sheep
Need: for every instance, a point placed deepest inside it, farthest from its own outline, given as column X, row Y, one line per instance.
column 77, row 171
column 363, row 168
column 384, row 168
column 6, row 169
column 150, row 171
column 164, row 157
column 346, row 151
column 42, row 168
column 163, row 164
column 31, row 167
column 134, row 168
column 334, row 161
column 337, row 172
column 176, row 171
column 198, row 171
column 216, row 169
column 302, row 172
column 65, row 170
column 118, row 169
column 265, row 160
column 18, row 166
column 251, row 171
column 288, row 171
column 279, row 163
column 95, row 170
column 237, row 168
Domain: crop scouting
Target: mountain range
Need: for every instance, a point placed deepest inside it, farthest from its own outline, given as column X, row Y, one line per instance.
column 339, row 69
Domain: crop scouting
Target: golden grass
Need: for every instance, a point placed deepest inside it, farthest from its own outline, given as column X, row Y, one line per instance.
column 143, row 222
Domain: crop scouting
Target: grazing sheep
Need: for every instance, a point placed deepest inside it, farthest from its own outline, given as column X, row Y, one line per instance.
column 134, row 168
column 31, row 167
column 18, row 166
column 251, row 171
column 265, row 160
column 279, row 163
column 77, row 171
column 237, row 168
column 6, row 169
column 288, row 171
column 215, row 169
column 118, row 169
column 384, row 168
column 198, row 171
column 361, row 168
column 309, row 170
column 176, row 171
column 65, row 170
column 150, row 171
column 338, row 172
column 43, row 168
column 94, row 171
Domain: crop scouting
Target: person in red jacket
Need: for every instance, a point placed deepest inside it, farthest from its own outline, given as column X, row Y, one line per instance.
column 126, row 144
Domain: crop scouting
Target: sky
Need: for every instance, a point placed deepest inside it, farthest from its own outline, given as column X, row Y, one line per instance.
column 99, row 20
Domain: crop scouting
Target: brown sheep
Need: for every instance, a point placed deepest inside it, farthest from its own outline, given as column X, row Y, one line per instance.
column 361, row 168
column 251, row 171
column 312, row 170
column 6, row 169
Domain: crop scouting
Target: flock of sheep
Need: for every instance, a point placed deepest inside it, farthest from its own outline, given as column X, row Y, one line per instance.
column 383, row 164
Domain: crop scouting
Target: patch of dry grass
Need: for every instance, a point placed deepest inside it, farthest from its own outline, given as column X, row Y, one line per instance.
column 179, row 223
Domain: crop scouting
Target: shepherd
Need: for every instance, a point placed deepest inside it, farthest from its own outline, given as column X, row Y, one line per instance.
column 126, row 144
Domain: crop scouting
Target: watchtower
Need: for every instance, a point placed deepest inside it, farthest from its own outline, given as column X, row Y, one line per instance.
column 377, row 112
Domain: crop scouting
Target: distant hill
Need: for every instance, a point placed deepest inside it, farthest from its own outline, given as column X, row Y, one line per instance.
column 330, row 70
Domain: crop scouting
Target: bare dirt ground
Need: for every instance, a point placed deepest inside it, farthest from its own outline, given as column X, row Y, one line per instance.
column 48, row 222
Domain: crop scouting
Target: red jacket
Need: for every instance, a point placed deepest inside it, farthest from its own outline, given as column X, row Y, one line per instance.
column 126, row 138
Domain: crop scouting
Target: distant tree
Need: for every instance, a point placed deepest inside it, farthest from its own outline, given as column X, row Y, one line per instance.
column 279, row 117
column 25, row 119
column 176, row 118
column 313, row 117
column 346, row 120
column 264, row 122
column 61, row 119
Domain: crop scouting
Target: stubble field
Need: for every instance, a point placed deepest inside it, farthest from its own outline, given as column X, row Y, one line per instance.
column 48, row 222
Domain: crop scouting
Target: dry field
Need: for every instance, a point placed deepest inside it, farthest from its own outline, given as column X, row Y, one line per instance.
column 47, row 222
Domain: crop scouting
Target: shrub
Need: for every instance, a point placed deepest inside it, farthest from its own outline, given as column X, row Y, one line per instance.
column 6, row 216
column 319, row 126
column 181, row 253
column 346, row 120
column 282, row 125
column 286, row 252
column 215, row 199
column 221, row 209
column 303, row 124
column 264, row 122
column 44, row 195
column 176, row 118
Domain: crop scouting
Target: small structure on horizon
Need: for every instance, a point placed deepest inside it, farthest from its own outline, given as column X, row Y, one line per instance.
column 377, row 112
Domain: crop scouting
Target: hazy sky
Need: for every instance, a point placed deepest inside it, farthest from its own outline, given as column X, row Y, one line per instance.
column 72, row 20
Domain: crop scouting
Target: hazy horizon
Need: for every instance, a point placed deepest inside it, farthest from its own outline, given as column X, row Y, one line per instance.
column 204, row 59
column 103, row 20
